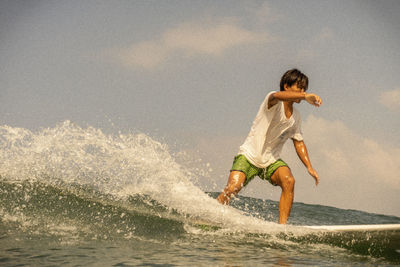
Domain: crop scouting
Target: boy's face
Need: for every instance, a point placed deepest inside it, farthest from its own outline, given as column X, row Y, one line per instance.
column 294, row 88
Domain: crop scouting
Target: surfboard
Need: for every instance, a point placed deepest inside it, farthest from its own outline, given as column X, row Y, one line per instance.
column 207, row 226
column 355, row 228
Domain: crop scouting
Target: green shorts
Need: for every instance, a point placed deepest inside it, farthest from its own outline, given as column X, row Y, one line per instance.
column 241, row 163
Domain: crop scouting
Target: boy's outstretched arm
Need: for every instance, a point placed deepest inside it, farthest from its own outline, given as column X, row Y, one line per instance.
column 301, row 150
column 312, row 99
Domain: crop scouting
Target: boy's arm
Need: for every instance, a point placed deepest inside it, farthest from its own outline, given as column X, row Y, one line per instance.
column 312, row 99
column 301, row 150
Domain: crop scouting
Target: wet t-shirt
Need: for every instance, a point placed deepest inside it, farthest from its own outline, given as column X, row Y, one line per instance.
column 269, row 132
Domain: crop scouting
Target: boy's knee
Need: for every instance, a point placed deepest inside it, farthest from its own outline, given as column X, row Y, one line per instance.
column 287, row 182
column 284, row 178
column 236, row 181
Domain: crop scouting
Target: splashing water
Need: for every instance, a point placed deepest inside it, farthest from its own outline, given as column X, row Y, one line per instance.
column 117, row 165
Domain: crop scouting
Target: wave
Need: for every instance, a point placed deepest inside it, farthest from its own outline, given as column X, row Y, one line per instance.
column 70, row 184
column 35, row 211
column 40, row 209
column 117, row 166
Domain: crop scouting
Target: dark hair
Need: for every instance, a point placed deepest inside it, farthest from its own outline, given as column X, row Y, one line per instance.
column 294, row 76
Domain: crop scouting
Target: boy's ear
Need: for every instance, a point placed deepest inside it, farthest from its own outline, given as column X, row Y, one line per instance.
column 285, row 86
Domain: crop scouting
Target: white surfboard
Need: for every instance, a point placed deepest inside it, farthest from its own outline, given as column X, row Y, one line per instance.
column 356, row 228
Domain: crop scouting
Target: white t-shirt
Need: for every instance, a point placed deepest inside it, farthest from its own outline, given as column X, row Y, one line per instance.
column 269, row 132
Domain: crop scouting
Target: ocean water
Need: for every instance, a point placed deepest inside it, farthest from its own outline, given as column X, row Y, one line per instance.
column 72, row 196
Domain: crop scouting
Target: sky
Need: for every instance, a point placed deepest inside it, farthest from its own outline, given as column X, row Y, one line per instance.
column 193, row 74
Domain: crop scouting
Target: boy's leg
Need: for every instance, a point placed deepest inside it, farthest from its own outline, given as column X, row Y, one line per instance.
column 284, row 178
column 234, row 185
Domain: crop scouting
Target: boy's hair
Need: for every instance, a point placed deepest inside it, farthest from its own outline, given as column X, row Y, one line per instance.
column 294, row 76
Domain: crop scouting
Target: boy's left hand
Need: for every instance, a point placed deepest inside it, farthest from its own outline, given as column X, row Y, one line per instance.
column 313, row 99
column 314, row 174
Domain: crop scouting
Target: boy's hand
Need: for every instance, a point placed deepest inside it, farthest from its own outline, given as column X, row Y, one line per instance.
column 313, row 99
column 314, row 174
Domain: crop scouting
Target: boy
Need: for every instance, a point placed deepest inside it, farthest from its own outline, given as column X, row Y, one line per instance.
column 275, row 123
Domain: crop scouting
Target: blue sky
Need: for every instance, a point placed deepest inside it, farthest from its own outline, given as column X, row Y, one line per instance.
column 194, row 73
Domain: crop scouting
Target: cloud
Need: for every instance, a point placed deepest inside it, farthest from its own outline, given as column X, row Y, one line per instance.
column 145, row 54
column 391, row 99
column 341, row 153
column 356, row 172
column 264, row 13
column 190, row 39
column 212, row 39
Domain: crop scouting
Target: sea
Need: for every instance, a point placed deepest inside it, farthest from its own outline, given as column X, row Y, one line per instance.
column 76, row 196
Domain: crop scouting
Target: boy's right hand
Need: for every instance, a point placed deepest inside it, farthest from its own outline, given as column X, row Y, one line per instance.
column 313, row 99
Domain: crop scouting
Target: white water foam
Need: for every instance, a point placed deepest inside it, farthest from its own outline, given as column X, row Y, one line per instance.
column 120, row 165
